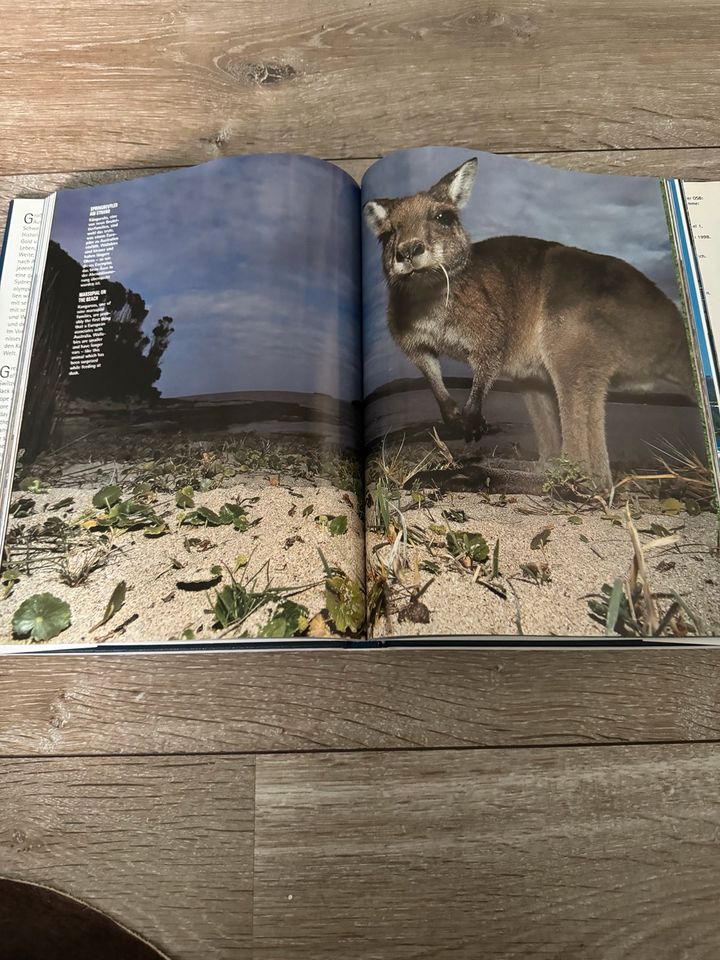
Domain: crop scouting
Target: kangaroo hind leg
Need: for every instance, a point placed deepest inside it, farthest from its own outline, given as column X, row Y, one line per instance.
column 581, row 399
column 542, row 408
column 599, row 460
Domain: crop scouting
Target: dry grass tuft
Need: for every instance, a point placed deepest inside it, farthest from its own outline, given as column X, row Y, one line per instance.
column 682, row 473
column 631, row 608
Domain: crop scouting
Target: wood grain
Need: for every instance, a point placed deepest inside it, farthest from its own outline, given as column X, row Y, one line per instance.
column 165, row 847
column 255, row 702
column 115, row 83
column 697, row 164
column 599, row 854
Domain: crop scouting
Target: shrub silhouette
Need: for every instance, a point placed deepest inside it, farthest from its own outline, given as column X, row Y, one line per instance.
column 131, row 364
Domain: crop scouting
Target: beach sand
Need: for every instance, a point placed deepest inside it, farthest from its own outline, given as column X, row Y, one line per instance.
column 550, row 596
column 156, row 609
column 553, row 556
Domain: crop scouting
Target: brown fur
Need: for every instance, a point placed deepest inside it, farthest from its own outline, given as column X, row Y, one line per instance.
column 523, row 307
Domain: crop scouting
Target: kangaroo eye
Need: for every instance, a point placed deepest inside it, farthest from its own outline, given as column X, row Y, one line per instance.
column 445, row 218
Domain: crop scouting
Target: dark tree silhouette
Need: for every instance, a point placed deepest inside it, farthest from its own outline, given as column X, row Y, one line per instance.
column 131, row 361
column 130, row 365
column 160, row 341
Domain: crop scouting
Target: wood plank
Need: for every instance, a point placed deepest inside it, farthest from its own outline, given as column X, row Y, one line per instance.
column 255, row 702
column 115, row 83
column 697, row 164
column 604, row 854
column 165, row 847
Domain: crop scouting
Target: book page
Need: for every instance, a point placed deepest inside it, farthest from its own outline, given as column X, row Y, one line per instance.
column 17, row 264
column 695, row 210
column 538, row 458
column 190, row 444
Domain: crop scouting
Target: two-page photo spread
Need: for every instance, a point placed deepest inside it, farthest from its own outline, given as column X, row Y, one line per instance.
column 471, row 400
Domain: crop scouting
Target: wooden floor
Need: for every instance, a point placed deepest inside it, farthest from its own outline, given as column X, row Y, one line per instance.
column 383, row 806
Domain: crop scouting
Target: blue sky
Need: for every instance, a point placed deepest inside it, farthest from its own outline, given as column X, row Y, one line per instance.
column 256, row 258
column 612, row 214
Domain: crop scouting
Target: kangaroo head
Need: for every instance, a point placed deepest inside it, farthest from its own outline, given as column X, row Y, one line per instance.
column 421, row 235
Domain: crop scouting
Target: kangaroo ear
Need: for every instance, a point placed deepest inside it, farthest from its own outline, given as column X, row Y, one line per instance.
column 457, row 185
column 377, row 216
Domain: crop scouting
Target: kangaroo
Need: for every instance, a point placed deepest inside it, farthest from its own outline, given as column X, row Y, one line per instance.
column 526, row 308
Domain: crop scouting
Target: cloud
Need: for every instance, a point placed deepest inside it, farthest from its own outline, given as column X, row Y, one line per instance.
column 255, row 258
column 230, row 342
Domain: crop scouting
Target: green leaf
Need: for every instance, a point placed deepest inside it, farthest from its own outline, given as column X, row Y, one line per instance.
column 41, row 617
column 107, row 497
column 10, row 575
column 235, row 514
column 276, row 627
column 574, row 518
column 156, row 530
column 202, row 517
column 338, row 526
column 308, row 510
column 185, row 497
column 229, row 513
column 233, row 602
column 345, row 602
column 120, row 514
column 671, row 506
column 8, row 579
column 116, row 601
column 472, row 545
column 437, row 528
column 289, row 620
column 613, row 608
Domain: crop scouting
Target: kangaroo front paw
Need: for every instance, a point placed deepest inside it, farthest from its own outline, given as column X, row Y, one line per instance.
column 451, row 415
column 474, row 425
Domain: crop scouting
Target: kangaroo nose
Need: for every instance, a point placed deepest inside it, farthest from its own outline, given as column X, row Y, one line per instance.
column 409, row 249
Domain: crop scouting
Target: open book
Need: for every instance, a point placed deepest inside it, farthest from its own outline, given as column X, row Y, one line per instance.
column 474, row 400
